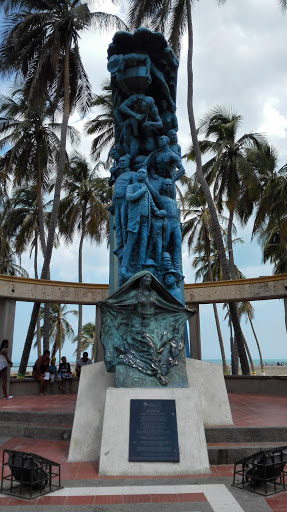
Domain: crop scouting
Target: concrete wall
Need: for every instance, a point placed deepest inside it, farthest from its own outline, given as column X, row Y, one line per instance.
column 257, row 384
column 28, row 386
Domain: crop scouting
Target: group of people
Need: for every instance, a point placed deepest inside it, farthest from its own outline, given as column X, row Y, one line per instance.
column 45, row 371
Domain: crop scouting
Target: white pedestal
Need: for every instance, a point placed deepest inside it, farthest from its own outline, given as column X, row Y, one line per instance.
column 86, row 437
column 209, row 380
column 115, row 439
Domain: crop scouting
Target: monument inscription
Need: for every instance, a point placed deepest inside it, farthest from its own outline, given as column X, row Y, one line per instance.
column 153, row 431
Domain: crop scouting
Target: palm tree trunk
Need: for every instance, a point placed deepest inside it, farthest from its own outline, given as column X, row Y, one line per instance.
column 220, row 339
column 219, row 334
column 36, row 277
column 257, row 343
column 61, row 166
column 80, row 319
column 250, row 358
column 29, row 339
column 207, row 193
column 230, row 245
column 233, row 348
column 55, row 209
column 40, row 210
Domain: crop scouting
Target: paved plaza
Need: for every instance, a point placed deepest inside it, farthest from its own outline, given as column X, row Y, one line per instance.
column 84, row 490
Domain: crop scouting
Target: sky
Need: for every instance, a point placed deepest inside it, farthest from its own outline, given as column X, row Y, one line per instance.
column 239, row 62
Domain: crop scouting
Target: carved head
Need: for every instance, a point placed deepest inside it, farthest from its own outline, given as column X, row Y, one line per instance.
column 163, row 140
column 141, row 174
column 171, row 277
column 115, row 152
column 124, row 162
column 172, row 135
column 166, row 187
column 166, row 260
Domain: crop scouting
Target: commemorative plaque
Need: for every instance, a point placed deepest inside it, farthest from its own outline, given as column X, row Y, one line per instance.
column 153, row 431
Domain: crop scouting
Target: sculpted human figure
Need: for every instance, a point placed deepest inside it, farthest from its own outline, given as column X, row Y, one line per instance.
column 143, row 119
column 165, row 163
column 171, row 279
column 168, row 117
column 158, row 227
column 125, row 177
column 173, row 229
column 173, row 145
column 115, row 154
column 140, row 208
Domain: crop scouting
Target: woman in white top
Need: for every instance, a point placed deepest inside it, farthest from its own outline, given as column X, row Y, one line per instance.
column 4, row 360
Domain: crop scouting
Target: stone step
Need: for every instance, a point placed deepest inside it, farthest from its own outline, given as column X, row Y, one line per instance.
column 37, row 431
column 231, row 453
column 235, row 434
column 57, row 418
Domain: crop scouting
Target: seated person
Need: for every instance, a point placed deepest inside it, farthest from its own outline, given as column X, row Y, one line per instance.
column 53, row 373
column 83, row 361
column 39, row 369
column 64, row 372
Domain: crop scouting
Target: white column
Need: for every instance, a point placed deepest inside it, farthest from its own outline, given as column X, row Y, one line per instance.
column 7, row 318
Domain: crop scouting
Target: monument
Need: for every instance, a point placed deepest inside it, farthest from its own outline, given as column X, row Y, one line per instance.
column 147, row 417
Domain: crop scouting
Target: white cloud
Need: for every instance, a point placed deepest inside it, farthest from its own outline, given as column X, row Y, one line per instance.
column 275, row 122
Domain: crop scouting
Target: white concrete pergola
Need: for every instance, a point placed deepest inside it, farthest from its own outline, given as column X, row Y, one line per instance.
column 14, row 289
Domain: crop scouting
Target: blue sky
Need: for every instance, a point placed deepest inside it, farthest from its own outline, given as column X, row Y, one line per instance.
column 240, row 61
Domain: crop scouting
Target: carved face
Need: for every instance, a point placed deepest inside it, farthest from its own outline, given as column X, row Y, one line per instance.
column 166, row 187
column 142, row 174
column 147, row 279
column 163, row 141
column 123, row 162
column 166, row 260
column 172, row 135
column 169, row 279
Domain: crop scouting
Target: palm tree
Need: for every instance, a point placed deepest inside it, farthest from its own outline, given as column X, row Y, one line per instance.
column 22, row 221
column 31, row 147
column 60, row 328
column 84, row 210
column 40, row 42
column 88, row 338
column 103, row 124
column 197, row 227
column 236, row 183
column 32, row 154
column 8, row 250
column 246, row 308
column 270, row 222
column 175, row 17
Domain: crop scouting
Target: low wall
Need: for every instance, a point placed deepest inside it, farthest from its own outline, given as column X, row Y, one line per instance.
column 258, row 384
column 28, row 386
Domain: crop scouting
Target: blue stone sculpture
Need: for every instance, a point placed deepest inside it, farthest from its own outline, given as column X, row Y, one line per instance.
column 147, row 156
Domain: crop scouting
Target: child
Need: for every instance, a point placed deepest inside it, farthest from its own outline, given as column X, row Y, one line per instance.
column 53, row 373
column 66, row 374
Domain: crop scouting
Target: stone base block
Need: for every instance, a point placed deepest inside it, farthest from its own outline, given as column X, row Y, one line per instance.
column 86, row 437
column 115, row 438
column 209, row 380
